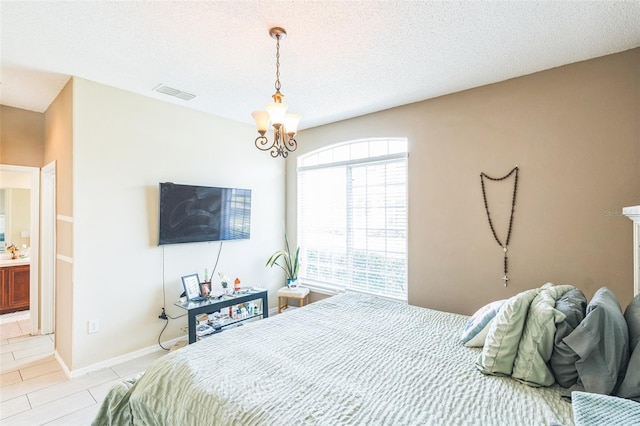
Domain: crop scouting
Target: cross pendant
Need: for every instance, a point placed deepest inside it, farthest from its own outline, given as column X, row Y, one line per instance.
column 505, row 279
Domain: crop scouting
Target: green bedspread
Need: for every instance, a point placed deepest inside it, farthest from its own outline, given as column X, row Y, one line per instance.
column 346, row 360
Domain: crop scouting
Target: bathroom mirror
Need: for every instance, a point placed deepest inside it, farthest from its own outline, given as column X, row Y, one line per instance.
column 15, row 210
column 2, row 221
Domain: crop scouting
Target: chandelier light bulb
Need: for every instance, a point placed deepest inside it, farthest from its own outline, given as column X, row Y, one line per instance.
column 262, row 121
column 276, row 112
column 291, row 123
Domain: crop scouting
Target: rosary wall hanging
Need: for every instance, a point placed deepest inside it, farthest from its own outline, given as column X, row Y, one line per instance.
column 505, row 245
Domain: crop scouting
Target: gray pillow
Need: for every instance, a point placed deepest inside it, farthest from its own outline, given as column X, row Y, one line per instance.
column 563, row 359
column 602, row 343
column 632, row 317
column 630, row 387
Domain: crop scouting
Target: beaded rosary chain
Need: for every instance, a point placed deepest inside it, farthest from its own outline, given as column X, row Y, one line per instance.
column 513, row 206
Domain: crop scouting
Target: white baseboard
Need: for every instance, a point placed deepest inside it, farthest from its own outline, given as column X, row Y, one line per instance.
column 116, row 360
column 124, row 358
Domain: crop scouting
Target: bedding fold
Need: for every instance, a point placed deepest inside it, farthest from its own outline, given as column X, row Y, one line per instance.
column 536, row 344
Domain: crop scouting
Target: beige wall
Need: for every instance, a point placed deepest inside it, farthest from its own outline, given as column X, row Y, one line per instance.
column 575, row 134
column 572, row 130
column 58, row 147
column 21, row 137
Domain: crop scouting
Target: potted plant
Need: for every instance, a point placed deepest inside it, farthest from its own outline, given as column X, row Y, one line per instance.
column 289, row 262
column 224, row 282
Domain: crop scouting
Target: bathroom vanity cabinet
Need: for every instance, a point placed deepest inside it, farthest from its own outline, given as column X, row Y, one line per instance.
column 14, row 282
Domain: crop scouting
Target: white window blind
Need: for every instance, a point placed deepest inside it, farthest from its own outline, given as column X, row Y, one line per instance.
column 352, row 217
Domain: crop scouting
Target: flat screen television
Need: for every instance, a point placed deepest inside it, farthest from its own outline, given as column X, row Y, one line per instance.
column 190, row 213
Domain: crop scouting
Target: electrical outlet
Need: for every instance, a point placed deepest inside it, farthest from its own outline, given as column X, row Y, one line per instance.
column 93, row 326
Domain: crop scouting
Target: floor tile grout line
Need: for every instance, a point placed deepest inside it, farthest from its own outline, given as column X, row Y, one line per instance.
column 31, row 363
column 79, row 409
column 78, row 391
column 29, row 401
column 47, row 386
column 92, row 396
column 30, row 394
column 57, row 418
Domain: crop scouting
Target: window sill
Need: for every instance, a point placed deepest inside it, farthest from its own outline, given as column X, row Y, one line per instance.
column 325, row 289
column 331, row 290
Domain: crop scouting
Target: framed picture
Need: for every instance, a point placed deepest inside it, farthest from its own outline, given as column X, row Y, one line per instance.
column 191, row 285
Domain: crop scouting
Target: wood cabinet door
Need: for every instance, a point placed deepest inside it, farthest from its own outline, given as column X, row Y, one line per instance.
column 17, row 288
column 3, row 288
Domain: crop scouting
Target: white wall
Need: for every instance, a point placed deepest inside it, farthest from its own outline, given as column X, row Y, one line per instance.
column 124, row 145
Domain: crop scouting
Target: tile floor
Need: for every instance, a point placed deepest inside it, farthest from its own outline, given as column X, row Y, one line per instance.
column 35, row 391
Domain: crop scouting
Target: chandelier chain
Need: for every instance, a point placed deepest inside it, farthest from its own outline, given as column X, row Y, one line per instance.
column 277, row 85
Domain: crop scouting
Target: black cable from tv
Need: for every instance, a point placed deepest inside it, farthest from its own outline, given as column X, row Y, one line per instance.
column 217, row 259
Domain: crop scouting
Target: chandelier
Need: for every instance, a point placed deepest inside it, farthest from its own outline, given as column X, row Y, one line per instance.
column 284, row 125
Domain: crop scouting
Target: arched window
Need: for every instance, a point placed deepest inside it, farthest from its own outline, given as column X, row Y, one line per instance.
column 352, row 217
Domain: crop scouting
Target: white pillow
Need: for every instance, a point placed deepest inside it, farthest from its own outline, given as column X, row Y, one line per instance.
column 475, row 332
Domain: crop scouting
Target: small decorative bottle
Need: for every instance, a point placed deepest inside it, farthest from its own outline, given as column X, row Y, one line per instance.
column 236, row 284
column 205, row 287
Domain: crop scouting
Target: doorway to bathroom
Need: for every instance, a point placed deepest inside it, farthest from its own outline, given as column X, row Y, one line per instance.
column 21, row 229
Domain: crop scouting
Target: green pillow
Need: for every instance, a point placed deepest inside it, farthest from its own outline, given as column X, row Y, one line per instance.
column 536, row 344
column 501, row 345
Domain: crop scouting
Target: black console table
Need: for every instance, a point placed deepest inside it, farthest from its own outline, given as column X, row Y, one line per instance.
column 214, row 304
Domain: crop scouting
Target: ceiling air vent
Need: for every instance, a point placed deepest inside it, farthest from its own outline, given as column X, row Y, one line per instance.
column 174, row 92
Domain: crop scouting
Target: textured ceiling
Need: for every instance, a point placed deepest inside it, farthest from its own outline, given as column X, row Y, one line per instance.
column 341, row 58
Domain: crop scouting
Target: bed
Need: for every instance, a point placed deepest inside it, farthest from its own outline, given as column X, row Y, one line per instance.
column 345, row 360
